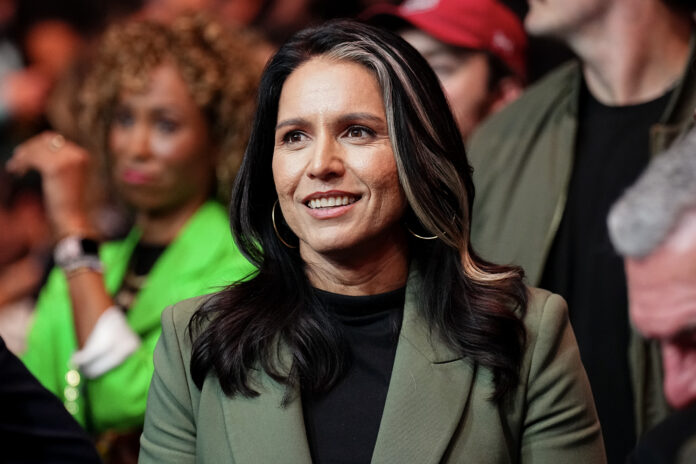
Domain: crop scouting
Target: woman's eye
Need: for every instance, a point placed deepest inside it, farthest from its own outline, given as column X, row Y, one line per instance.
column 359, row 132
column 123, row 119
column 294, row 137
column 167, row 126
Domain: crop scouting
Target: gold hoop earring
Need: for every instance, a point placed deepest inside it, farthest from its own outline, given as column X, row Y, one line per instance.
column 276, row 228
column 420, row 236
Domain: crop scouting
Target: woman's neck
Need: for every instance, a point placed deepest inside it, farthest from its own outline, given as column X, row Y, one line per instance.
column 625, row 65
column 377, row 269
column 162, row 227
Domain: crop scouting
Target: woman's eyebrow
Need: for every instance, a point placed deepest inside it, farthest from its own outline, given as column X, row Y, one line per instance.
column 342, row 119
column 350, row 117
column 164, row 110
column 291, row 122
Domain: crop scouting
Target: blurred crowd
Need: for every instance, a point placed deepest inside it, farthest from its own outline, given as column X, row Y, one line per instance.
column 553, row 146
column 45, row 52
column 479, row 53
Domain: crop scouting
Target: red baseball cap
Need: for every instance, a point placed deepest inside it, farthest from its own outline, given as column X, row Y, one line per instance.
column 486, row 25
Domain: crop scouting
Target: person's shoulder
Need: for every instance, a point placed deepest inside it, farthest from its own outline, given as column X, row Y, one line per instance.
column 530, row 106
column 210, row 230
column 206, row 251
column 555, row 82
column 546, row 91
column 214, row 211
column 176, row 318
column 539, row 299
column 545, row 312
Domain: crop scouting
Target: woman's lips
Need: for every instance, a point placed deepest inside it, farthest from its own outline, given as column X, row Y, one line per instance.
column 330, row 212
column 132, row 176
column 325, row 205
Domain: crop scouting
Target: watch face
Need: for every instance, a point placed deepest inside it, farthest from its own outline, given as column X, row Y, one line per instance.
column 89, row 246
column 73, row 248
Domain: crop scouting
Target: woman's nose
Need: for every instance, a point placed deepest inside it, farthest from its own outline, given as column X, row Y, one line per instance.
column 138, row 144
column 327, row 159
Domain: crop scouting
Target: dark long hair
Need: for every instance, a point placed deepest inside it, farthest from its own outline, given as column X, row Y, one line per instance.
column 469, row 303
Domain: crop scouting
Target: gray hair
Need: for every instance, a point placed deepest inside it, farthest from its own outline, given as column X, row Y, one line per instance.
column 649, row 210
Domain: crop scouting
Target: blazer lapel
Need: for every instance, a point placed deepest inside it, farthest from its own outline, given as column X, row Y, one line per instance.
column 428, row 393
column 260, row 429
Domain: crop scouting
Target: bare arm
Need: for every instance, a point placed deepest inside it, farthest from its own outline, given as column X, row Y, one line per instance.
column 64, row 168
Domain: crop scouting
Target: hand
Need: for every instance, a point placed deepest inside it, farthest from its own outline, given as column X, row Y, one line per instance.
column 64, row 168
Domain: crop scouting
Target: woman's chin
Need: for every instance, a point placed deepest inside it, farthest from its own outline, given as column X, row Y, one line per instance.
column 350, row 248
column 329, row 248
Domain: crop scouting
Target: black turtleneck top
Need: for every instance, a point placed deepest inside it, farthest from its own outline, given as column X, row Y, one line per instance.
column 342, row 424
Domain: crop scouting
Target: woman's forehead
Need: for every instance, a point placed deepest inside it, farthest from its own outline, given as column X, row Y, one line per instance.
column 325, row 86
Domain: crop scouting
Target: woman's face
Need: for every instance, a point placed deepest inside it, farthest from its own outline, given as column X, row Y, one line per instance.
column 160, row 146
column 333, row 164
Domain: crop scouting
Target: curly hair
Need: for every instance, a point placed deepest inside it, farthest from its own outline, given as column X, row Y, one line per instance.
column 219, row 65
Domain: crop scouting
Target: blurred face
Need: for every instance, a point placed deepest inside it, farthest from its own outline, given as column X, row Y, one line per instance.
column 559, row 18
column 161, row 151
column 52, row 46
column 333, row 164
column 464, row 77
column 662, row 295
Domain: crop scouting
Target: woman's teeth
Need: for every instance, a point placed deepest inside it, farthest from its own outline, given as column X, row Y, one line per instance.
column 328, row 202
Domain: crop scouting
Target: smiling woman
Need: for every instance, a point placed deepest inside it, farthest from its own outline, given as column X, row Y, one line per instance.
column 335, row 174
column 167, row 107
column 372, row 331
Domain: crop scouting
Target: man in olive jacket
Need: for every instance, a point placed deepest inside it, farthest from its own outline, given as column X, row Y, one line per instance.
column 548, row 167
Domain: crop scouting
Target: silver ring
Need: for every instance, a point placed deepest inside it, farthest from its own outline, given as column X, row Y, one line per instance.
column 56, row 142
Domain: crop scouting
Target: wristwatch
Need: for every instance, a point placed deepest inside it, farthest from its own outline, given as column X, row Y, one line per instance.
column 74, row 252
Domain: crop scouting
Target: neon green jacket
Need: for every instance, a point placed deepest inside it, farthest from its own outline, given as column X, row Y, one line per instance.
column 200, row 260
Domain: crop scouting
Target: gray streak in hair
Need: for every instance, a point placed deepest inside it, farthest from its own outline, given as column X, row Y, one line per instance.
column 649, row 210
column 452, row 230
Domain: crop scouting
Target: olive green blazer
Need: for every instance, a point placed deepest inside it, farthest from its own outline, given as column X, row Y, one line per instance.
column 438, row 406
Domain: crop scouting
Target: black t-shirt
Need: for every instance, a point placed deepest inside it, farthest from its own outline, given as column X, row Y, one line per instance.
column 342, row 424
column 612, row 149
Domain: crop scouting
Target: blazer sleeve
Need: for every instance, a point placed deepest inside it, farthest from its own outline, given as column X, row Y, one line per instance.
column 169, row 433
column 561, row 422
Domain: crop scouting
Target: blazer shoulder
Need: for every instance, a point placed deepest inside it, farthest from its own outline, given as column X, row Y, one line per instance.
column 540, row 299
column 176, row 318
column 530, row 108
column 545, row 311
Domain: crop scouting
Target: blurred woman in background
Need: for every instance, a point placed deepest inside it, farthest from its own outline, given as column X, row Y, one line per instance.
column 168, row 107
